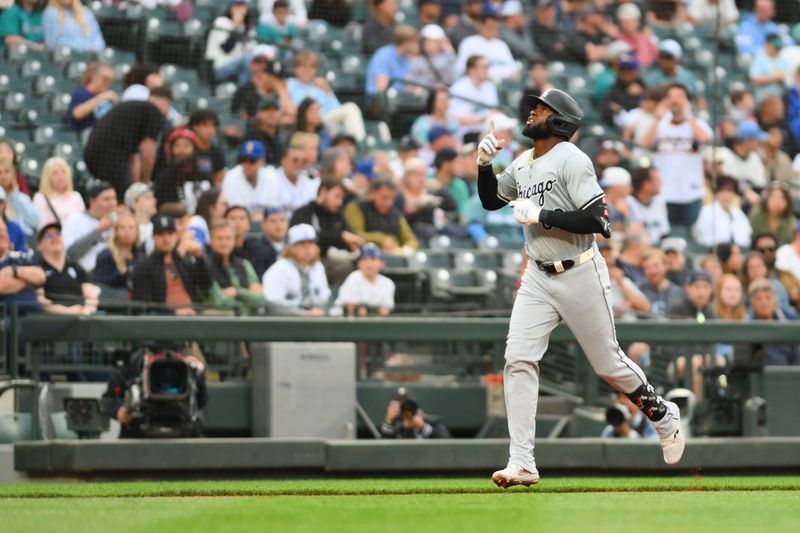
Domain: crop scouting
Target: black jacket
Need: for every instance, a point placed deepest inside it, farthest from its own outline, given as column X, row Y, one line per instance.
column 329, row 226
column 261, row 254
column 150, row 285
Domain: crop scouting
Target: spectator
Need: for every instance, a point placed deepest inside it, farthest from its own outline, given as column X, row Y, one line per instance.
column 115, row 262
column 86, row 233
column 772, row 114
column 548, row 38
column 646, row 205
column 609, row 154
column 439, row 138
column 630, row 423
column 239, row 219
column 93, row 99
column 56, row 201
column 234, row 283
column 515, row 31
column 675, row 138
column 309, row 143
column 659, row 290
column 730, row 257
column 208, row 156
column 18, row 206
column 325, row 215
column 178, row 181
column 668, row 71
column 129, row 129
column 247, row 184
column 768, row 70
column 262, row 251
column 335, row 166
column 230, row 42
column 706, row 12
column 22, row 24
column 211, row 206
column 379, row 29
column 793, row 108
column 742, row 161
column 774, row 214
column 281, row 30
column 7, row 151
column 378, row 221
column 486, row 44
column 741, row 107
column 616, row 182
column 754, row 28
column 296, row 12
column 266, row 83
column 764, row 306
column 19, row 278
column 766, row 244
column 626, row 93
column 424, row 210
column 626, row 298
column 405, row 420
column 538, row 82
column 473, row 94
column 712, row 264
column 448, row 164
column 788, row 256
column 592, row 33
column 68, row 290
column 777, row 163
column 728, row 303
column 296, row 283
column 641, row 40
column 266, row 129
column 631, row 256
column 290, row 187
column 697, row 303
column 428, row 12
column 139, row 198
column 334, row 12
column 309, row 120
column 754, row 269
column 139, row 81
column 167, row 278
column 467, row 24
column 436, row 63
column 18, row 243
column 438, row 115
column 665, row 13
column 677, row 268
column 603, row 81
column 721, row 221
column 307, row 84
column 70, row 24
column 390, row 64
column 366, row 291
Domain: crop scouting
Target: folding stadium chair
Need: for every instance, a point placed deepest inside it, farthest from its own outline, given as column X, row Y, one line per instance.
column 447, row 242
column 409, row 283
column 76, row 69
column 14, row 101
column 483, row 259
column 431, row 259
column 17, row 53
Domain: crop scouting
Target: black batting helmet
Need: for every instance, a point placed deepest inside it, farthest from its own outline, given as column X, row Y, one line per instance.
column 567, row 117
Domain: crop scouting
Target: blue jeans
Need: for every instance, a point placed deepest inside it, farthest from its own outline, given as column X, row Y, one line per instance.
column 683, row 214
column 240, row 68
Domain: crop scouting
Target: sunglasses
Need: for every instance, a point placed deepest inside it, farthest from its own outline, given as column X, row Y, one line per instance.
column 51, row 235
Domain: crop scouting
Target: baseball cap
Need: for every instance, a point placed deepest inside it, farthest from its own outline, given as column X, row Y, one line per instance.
column 615, row 177
column 98, row 188
column 445, row 155
column 301, row 233
column 671, row 47
column 438, row 132
column 748, row 130
column 366, row 167
column 163, row 224
column 182, row 133
column 269, row 211
column 51, row 225
column 370, row 250
column 617, row 48
column 628, row 61
column 629, row 11
column 408, row 143
column 775, row 40
column 269, row 102
column 698, row 275
column 510, row 8
column 673, row 244
column 489, row 11
column 134, row 192
column 433, row 32
column 415, row 164
column 609, row 145
column 252, row 150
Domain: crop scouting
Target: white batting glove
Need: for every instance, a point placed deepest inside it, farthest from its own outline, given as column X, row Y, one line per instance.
column 489, row 146
column 525, row 211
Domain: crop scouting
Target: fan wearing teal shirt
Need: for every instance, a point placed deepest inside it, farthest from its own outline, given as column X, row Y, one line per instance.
column 22, row 24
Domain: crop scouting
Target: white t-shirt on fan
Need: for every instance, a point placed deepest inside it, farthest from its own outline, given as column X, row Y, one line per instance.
column 677, row 156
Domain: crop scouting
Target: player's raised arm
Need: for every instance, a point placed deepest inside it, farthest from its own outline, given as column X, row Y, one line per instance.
column 487, row 181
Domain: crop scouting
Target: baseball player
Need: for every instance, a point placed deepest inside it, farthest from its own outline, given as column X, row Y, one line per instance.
column 554, row 193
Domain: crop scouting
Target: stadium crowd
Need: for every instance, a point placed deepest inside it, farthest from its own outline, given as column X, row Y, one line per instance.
column 303, row 219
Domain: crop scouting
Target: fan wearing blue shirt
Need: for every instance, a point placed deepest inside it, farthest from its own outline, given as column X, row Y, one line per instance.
column 390, row 63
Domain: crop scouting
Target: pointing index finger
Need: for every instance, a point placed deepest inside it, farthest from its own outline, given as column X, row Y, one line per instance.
column 491, row 127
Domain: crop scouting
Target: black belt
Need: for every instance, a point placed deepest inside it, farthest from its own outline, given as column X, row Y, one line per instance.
column 557, row 267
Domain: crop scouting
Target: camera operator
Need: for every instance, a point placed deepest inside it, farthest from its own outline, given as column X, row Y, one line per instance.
column 131, row 409
column 405, row 420
column 626, row 421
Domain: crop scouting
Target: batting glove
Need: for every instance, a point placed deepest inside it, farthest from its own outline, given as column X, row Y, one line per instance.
column 525, row 211
column 489, row 146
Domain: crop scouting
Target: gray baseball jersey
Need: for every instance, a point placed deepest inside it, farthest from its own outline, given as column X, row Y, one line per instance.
column 563, row 179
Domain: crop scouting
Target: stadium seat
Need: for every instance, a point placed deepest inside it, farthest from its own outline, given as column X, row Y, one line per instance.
column 483, row 259
column 14, row 101
column 463, row 288
column 17, row 53
column 75, row 69
column 432, row 259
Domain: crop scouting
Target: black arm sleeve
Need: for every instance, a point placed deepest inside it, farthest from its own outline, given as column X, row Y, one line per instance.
column 591, row 219
column 487, row 189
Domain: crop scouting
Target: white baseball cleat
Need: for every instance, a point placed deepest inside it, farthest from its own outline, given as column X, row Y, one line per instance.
column 672, row 446
column 514, row 475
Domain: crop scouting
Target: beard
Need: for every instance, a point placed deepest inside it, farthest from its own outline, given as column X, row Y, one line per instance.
column 539, row 131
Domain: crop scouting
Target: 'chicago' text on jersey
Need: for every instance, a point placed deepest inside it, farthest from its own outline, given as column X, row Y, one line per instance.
column 538, row 189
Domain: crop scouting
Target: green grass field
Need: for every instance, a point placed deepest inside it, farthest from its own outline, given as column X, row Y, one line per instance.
column 674, row 504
